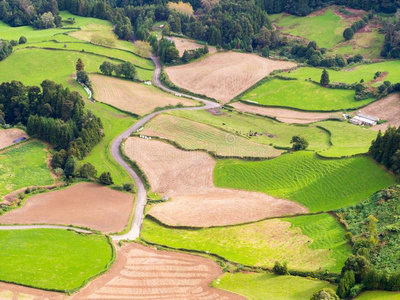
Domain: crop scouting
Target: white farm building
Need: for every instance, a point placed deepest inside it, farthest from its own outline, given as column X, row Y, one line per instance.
column 363, row 119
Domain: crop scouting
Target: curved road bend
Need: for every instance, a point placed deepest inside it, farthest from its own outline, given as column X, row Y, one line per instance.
column 141, row 196
column 134, row 233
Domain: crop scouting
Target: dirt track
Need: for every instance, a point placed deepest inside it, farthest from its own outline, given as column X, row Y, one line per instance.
column 285, row 115
column 145, row 273
column 224, row 75
column 187, row 178
column 84, row 204
column 7, row 136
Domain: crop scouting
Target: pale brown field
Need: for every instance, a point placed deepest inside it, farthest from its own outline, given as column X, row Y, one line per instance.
column 84, row 204
column 16, row 292
column 187, row 44
column 7, row 136
column 224, row 75
column 181, row 7
column 187, row 178
column 133, row 97
column 145, row 273
column 387, row 109
column 285, row 115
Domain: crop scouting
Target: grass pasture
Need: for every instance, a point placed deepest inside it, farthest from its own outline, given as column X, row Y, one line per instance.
column 378, row 295
column 319, row 184
column 262, row 243
column 15, row 163
column 52, row 259
column 270, row 131
column 303, row 95
column 347, row 139
column 351, row 74
column 256, row 286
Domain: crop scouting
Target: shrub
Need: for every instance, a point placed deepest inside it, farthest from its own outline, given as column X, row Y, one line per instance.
column 299, row 143
column 128, row 187
column 325, row 294
column 348, row 33
column 105, row 178
column 22, row 40
column 280, row 269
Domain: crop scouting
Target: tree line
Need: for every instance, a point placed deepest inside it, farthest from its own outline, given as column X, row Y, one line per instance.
column 391, row 48
column 51, row 113
column 385, row 149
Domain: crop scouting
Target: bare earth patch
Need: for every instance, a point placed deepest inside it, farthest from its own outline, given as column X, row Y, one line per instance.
column 84, row 204
column 7, row 136
column 16, row 292
column 133, row 97
column 187, row 178
column 285, row 115
column 387, row 109
column 224, row 75
column 187, row 44
column 145, row 273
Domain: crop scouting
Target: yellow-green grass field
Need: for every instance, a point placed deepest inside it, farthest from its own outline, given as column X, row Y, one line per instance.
column 51, row 258
column 32, row 66
column 15, row 162
column 379, row 295
column 326, row 29
column 262, row 243
column 320, row 184
column 114, row 122
column 303, row 95
column 256, row 286
column 351, row 74
column 270, row 132
column 347, row 139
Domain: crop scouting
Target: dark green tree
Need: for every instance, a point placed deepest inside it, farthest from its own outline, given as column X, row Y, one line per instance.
column 348, row 33
column 280, row 269
column 299, row 143
column 105, row 178
column 22, row 40
column 324, row 78
column 265, row 51
column 88, row 171
column 128, row 70
column 107, row 68
column 346, row 283
column 69, row 169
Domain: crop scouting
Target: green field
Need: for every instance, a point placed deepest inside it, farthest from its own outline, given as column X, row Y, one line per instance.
column 303, row 95
column 326, row 233
column 351, row 75
column 15, row 163
column 58, row 66
column 114, row 123
column 52, row 259
column 347, row 139
column 325, row 29
column 270, row 131
column 262, row 243
column 256, row 286
column 378, row 295
column 319, row 184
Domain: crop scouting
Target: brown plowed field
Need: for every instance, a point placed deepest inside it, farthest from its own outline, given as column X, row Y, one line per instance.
column 187, row 44
column 16, row 292
column 145, row 273
column 285, row 115
column 7, row 136
column 133, row 97
column 187, row 178
column 84, row 204
column 224, row 75
column 387, row 109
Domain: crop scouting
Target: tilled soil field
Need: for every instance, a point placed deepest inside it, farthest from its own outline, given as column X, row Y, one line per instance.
column 187, row 178
column 7, row 136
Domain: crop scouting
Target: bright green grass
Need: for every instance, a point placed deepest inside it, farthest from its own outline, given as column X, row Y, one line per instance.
column 262, row 243
column 347, row 139
column 242, row 124
column 15, row 163
column 326, row 233
column 325, row 29
column 51, row 258
column 32, row 66
column 303, row 95
column 351, row 75
column 256, row 286
column 378, row 295
column 319, row 184
column 192, row 135
column 33, row 36
column 114, row 123
column 109, row 52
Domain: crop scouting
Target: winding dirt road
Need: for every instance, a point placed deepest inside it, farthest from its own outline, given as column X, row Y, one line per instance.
column 141, row 196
